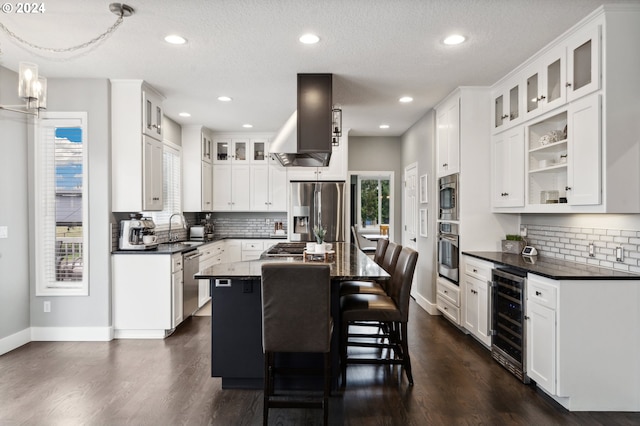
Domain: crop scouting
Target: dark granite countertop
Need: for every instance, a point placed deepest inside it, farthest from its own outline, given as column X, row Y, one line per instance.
column 552, row 268
column 347, row 263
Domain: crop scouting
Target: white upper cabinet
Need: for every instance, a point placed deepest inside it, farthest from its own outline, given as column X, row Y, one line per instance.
column 508, row 169
column 545, row 83
column 231, row 187
column 268, row 188
column 152, row 113
column 507, row 105
column 230, row 151
column 136, row 147
column 448, row 136
column 259, row 151
column 197, row 175
column 583, row 62
column 580, row 99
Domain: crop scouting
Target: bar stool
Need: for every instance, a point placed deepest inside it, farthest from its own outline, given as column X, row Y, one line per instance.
column 388, row 263
column 392, row 311
column 296, row 317
column 356, row 240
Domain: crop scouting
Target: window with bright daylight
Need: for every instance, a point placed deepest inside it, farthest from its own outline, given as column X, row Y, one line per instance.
column 373, row 201
column 62, row 218
column 171, row 184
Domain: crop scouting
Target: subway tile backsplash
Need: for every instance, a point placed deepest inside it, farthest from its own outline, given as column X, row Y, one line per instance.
column 230, row 226
column 572, row 244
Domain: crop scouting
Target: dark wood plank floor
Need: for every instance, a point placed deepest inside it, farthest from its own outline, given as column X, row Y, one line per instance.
column 150, row 382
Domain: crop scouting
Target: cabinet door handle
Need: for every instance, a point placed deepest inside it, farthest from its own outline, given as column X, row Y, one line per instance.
column 567, row 188
column 505, row 116
column 538, row 293
column 526, row 317
column 475, row 270
column 568, row 84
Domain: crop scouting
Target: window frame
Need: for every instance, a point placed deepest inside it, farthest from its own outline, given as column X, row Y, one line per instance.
column 45, row 284
column 371, row 175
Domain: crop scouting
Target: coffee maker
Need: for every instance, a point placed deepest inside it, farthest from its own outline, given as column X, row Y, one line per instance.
column 134, row 231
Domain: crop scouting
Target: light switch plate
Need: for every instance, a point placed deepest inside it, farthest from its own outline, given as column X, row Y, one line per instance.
column 4, row 232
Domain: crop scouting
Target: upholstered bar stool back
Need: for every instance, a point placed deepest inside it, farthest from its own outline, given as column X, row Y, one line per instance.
column 381, row 248
column 391, row 257
column 296, row 317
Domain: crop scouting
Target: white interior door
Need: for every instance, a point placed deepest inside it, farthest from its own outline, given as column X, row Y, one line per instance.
column 410, row 211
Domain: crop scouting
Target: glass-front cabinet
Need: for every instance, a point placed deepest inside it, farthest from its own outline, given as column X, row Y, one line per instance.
column 545, row 83
column 259, row 151
column 583, row 63
column 507, row 105
column 227, row 151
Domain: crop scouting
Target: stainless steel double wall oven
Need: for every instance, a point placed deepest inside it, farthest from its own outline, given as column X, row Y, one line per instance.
column 448, row 231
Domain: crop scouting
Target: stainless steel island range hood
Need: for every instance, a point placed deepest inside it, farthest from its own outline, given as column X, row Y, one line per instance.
column 305, row 139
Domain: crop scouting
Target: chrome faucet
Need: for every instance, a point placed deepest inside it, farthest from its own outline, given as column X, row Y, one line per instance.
column 172, row 238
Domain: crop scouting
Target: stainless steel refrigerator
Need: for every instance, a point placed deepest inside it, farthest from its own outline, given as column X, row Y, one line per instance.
column 317, row 204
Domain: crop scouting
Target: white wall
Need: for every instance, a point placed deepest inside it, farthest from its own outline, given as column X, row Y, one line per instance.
column 380, row 154
column 418, row 145
column 80, row 317
column 14, row 213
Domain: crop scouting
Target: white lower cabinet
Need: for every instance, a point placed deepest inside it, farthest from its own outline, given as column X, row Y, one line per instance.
column 211, row 254
column 582, row 345
column 541, row 334
column 477, row 274
column 147, row 295
column 448, row 300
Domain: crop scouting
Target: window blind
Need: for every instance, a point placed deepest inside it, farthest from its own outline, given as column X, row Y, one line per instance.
column 171, row 187
column 61, row 206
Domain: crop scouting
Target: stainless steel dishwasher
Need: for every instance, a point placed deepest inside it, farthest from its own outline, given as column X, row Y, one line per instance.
column 190, row 286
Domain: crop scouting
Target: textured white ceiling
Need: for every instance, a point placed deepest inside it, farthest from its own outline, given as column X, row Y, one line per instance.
column 249, row 50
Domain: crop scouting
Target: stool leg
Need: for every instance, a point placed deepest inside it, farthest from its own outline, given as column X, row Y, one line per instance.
column 267, row 388
column 344, row 339
column 327, row 386
column 405, row 352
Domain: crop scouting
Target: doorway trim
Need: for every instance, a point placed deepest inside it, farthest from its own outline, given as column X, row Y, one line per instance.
column 373, row 173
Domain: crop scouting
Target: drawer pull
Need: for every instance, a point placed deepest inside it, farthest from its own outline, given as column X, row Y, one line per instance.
column 538, row 293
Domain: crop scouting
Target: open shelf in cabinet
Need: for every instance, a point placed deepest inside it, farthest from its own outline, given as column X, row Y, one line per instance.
column 547, row 157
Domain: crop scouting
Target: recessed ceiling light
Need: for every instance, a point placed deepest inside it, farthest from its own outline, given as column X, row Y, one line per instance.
column 309, row 39
column 184, row 114
column 247, row 126
column 224, row 98
column 175, row 39
column 384, row 126
column 454, row 39
column 406, row 99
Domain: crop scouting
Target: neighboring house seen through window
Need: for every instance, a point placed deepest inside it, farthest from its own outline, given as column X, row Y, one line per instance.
column 62, row 219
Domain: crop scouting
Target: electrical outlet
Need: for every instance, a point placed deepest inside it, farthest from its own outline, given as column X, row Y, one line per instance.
column 4, row 232
column 523, row 231
column 47, row 306
column 592, row 250
column 619, row 254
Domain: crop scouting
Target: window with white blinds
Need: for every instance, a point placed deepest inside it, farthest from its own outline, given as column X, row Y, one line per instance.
column 61, row 188
column 171, row 186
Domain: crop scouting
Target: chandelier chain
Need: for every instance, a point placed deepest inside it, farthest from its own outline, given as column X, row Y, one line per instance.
column 66, row 49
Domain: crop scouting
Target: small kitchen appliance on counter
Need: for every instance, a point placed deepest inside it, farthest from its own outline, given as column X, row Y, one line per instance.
column 138, row 234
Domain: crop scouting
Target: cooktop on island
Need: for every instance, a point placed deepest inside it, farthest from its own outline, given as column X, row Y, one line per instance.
column 287, row 249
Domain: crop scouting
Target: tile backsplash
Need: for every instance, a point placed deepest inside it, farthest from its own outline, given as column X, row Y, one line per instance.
column 572, row 244
column 246, row 226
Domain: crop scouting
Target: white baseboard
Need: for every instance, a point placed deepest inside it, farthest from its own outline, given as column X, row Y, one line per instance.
column 14, row 341
column 71, row 334
column 142, row 334
column 430, row 307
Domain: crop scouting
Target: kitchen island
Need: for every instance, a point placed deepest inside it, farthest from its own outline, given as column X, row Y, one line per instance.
column 236, row 320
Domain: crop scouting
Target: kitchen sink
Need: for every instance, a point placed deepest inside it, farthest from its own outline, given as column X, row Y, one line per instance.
column 181, row 244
